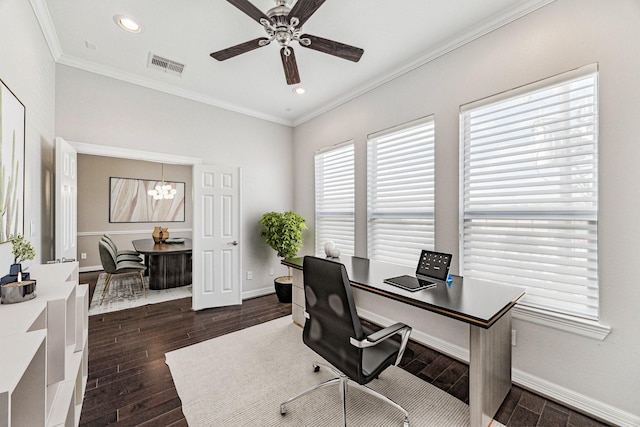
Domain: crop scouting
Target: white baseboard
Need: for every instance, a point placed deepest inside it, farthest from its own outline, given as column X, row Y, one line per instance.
column 575, row 400
column 258, row 292
column 245, row 295
column 571, row 399
column 449, row 349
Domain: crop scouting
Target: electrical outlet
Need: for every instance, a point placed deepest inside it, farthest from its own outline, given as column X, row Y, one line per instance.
column 249, row 275
column 83, row 255
column 513, row 337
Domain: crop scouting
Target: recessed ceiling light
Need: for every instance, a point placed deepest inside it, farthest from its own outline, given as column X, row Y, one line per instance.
column 127, row 24
column 299, row 90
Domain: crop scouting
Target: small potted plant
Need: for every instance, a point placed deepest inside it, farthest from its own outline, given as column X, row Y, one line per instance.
column 22, row 251
column 283, row 232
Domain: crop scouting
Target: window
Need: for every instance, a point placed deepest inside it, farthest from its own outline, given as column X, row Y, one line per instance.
column 530, row 192
column 335, row 198
column 400, row 192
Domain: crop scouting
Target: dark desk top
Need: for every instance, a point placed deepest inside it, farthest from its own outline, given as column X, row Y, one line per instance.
column 149, row 247
column 477, row 302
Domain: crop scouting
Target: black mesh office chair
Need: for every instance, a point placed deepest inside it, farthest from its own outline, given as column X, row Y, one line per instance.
column 333, row 330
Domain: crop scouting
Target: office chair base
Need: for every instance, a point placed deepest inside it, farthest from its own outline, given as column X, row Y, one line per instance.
column 343, row 380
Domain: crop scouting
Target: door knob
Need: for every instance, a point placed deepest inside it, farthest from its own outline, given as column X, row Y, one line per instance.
column 234, row 243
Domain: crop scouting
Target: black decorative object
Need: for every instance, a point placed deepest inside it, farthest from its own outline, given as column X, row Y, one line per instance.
column 283, row 288
column 15, row 269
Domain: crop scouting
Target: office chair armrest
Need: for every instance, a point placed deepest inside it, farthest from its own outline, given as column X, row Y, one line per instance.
column 381, row 335
column 385, row 333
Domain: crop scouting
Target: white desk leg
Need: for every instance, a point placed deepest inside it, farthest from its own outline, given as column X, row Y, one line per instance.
column 297, row 298
column 489, row 369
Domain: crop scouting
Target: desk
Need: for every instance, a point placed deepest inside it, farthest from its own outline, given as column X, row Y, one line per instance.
column 485, row 306
column 169, row 264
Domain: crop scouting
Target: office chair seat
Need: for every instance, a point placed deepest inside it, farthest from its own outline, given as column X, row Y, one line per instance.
column 333, row 330
column 378, row 358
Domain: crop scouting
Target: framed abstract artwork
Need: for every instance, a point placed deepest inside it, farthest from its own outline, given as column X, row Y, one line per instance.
column 129, row 201
column 12, row 149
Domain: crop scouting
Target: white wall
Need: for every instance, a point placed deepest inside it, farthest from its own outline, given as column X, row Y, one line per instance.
column 100, row 110
column 27, row 68
column 603, row 376
column 559, row 37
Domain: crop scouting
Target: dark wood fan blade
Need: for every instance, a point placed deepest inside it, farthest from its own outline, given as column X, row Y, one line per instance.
column 303, row 9
column 290, row 66
column 331, row 47
column 236, row 50
column 248, row 8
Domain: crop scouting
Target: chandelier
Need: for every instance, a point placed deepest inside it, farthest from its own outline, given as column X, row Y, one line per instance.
column 162, row 191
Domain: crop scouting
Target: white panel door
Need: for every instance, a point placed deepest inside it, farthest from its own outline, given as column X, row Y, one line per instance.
column 66, row 200
column 216, row 237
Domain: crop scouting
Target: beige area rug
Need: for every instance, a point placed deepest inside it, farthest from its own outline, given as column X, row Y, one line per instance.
column 240, row 379
column 125, row 292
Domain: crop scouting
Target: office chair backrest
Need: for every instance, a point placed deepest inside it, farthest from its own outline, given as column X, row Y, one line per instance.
column 107, row 257
column 333, row 318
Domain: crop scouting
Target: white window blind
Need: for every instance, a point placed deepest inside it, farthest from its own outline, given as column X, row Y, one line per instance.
column 335, row 198
column 400, row 190
column 530, row 192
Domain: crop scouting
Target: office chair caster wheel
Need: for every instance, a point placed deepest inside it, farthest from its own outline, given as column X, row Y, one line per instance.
column 283, row 410
column 406, row 423
column 316, row 368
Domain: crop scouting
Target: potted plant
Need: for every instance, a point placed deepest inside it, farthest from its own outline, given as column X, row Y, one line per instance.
column 22, row 250
column 283, row 232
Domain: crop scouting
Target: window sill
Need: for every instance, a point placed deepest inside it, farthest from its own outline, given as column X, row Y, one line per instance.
column 587, row 328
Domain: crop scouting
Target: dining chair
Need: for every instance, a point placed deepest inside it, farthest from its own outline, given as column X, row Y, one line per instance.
column 113, row 267
column 121, row 255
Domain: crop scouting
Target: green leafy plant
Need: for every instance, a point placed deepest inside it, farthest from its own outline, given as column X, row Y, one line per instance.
column 22, row 249
column 283, row 232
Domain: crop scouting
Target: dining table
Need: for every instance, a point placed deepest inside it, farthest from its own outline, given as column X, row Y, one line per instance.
column 168, row 262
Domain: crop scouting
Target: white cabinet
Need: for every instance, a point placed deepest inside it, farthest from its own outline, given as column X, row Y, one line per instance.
column 47, row 338
column 22, row 385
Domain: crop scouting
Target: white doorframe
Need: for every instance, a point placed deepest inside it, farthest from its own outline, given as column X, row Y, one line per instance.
column 125, row 153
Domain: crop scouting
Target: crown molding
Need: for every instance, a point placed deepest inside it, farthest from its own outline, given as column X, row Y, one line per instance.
column 113, row 73
column 453, row 43
column 46, row 24
column 43, row 16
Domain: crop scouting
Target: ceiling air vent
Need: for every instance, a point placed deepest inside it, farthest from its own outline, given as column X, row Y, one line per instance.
column 166, row 65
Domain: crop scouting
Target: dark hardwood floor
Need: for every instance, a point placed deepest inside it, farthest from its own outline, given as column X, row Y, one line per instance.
column 129, row 383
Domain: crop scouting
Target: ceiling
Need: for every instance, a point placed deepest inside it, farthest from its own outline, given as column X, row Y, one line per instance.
column 396, row 37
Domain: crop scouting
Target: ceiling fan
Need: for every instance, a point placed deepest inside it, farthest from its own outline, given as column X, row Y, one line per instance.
column 284, row 25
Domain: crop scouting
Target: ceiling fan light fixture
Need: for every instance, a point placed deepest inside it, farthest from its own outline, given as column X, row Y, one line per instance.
column 127, row 24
